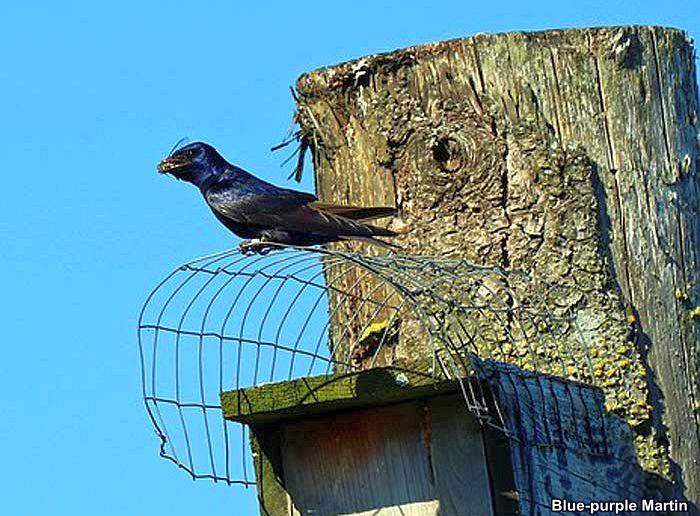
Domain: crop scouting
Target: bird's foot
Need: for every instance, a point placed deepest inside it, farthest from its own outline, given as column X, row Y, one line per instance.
column 256, row 246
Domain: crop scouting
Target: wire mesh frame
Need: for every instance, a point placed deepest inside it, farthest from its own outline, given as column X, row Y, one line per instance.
column 229, row 320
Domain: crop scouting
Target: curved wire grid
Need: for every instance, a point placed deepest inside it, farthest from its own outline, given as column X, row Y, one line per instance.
column 229, row 321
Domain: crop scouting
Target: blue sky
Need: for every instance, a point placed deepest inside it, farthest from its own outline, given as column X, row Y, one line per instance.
column 92, row 96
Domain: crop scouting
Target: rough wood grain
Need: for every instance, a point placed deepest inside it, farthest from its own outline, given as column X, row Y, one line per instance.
column 412, row 459
column 459, row 464
column 572, row 154
column 566, row 445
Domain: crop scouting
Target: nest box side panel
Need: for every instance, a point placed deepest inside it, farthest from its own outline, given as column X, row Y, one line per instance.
column 411, row 459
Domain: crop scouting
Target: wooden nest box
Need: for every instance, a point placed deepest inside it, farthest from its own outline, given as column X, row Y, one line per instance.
column 382, row 441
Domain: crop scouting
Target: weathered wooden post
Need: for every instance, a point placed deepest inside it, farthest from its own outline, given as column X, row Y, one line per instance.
column 569, row 154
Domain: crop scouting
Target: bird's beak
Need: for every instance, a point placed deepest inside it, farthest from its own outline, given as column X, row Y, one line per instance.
column 173, row 163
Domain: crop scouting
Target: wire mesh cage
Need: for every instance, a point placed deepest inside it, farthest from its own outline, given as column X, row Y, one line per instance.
column 230, row 321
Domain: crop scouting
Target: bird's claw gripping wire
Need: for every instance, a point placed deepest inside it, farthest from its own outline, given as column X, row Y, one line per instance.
column 249, row 247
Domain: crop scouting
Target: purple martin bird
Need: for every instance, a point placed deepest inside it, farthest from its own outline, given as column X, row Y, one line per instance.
column 257, row 210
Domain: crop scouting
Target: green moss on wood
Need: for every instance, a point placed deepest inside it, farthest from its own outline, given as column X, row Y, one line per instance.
column 265, row 444
column 321, row 394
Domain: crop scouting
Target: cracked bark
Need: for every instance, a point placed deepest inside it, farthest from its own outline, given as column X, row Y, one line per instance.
column 572, row 154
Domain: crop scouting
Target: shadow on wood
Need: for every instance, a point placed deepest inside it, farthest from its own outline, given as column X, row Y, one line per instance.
column 416, row 458
column 420, row 451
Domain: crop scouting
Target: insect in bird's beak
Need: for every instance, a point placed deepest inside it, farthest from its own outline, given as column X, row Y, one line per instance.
column 173, row 163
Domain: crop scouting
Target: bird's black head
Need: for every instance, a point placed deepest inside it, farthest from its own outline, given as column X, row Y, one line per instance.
column 196, row 163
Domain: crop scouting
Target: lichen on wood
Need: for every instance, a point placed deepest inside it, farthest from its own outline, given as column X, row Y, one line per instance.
column 569, row 154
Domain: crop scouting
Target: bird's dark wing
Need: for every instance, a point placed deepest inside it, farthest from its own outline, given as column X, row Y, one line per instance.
column 356, row 212
column 247, row 200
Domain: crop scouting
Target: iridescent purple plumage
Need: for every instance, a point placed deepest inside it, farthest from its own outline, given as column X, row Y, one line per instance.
column 255, row 209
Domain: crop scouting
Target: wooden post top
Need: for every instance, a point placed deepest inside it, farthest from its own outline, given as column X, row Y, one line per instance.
column 349, row 73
